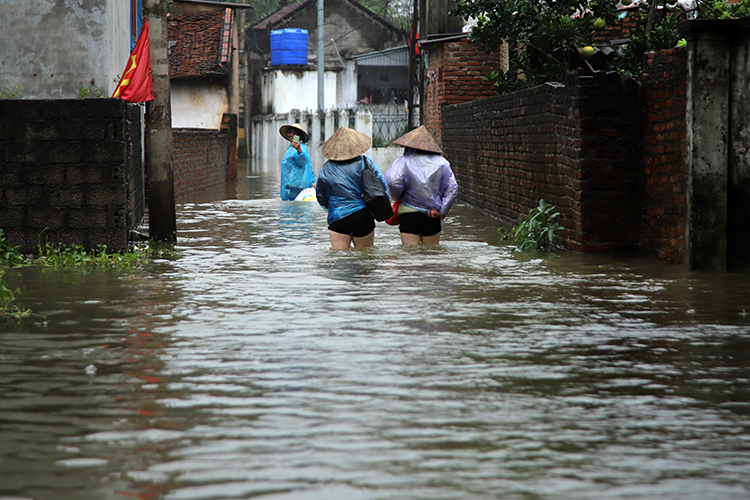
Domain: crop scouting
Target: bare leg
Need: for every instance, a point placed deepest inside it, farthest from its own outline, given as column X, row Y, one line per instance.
column 340, row 241
column 410, row 239
column 431, row 240
column 364, row 241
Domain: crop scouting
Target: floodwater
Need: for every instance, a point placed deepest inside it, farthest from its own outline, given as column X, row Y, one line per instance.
column 257, row 363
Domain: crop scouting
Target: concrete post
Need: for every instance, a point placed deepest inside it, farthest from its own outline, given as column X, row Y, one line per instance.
column 707, row 145
column 738, row 207
column 160, row 192
column 718, row 144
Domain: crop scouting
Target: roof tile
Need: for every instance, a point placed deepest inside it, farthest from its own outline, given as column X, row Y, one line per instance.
column 195, row 45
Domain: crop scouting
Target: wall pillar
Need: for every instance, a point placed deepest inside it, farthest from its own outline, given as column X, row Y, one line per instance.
column 738, row 206
column 718, row 168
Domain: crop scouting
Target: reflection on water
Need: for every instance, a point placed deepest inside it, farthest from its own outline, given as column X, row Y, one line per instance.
column 261, row 364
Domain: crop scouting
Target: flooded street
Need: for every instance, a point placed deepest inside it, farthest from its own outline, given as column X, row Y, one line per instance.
column 258, row 363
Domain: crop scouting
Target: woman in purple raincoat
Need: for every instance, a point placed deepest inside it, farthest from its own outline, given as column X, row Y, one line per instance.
column 423, row 183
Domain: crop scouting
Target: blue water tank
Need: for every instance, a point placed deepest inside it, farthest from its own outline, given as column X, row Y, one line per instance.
column 289, row 46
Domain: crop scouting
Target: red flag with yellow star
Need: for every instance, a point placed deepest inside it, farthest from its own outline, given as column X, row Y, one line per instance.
column 137, row 84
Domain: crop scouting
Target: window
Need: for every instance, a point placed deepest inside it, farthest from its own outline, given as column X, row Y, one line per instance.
column 136, row 21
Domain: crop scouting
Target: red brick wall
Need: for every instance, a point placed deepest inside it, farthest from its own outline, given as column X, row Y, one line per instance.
column 456, row 74
column 663, row 161
column 575, row 145
column 609, row 155
column 621, row 30
column 200, row 159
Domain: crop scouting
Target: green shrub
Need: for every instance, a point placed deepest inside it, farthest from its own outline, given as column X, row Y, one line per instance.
column 12, row 93
column 538, row 230
column 8, row 307
column 9, row 254
column 544, row 37
column 56, row 255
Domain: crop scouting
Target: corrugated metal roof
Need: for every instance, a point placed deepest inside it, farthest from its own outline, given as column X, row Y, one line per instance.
column 397, row 56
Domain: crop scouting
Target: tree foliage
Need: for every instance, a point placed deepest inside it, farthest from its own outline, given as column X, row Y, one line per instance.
column 545, row 37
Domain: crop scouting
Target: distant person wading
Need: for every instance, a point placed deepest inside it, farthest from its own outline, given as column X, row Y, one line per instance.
column 296, row 170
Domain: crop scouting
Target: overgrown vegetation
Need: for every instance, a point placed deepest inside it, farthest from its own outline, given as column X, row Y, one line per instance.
column 538, row 231
column 549, row 38
column 83, row 93
column 55, row 255
column 9, row 254
column 71, row 256
column 12, row 93
column 8, row 306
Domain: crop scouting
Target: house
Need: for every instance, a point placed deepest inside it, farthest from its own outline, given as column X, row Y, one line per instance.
column 365, row 60
column 350, row 29
column 205, row 93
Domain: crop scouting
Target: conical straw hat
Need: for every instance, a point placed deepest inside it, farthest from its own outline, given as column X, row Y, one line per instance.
column 346, row 144
column 302, row 134
column 419, row 138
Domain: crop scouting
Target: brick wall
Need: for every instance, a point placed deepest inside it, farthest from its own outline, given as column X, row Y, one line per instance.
column 204, row 158
column 575, row 145
column 67, row 170
column 456, row 74
column 619, row 31
column 664, row 162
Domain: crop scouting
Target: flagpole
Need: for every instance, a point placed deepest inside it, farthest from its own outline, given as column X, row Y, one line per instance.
column 162, row 220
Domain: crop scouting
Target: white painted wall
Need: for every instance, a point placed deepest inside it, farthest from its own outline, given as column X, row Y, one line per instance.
column 54, row 48
column 118, row 46
column 384, row 157
column 346, row 86
column 286, row 90
column 198, row 104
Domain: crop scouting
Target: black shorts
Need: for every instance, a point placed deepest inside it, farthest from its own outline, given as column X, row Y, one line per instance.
column 358, row 224
column 419, row 223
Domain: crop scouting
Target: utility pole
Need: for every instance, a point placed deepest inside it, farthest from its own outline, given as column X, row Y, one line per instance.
column 162, row 221
column 321, row 59
column 423, row 32
column 413, row 92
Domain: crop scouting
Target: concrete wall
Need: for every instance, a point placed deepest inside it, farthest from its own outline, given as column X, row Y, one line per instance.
column 54, row 48
column 71, row 171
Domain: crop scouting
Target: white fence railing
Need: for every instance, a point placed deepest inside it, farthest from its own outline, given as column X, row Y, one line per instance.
column 267, row 144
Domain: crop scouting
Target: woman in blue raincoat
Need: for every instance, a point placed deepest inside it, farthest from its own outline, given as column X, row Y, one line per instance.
column 424, row 185
column 296, row 170
column 339, row 189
